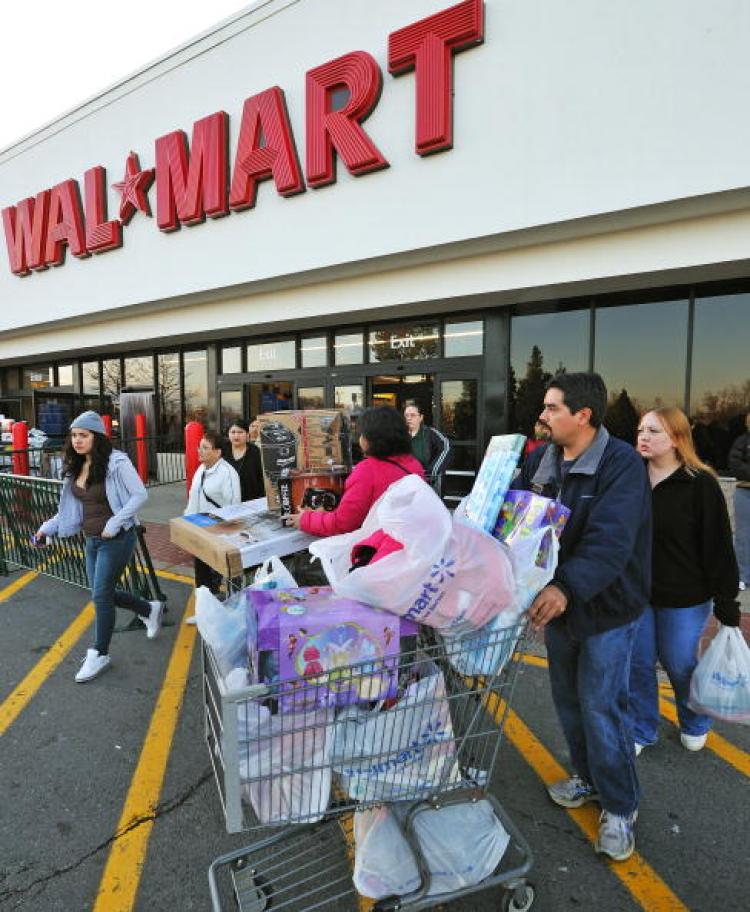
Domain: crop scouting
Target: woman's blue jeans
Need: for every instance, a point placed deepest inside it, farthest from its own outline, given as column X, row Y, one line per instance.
column 670, row 635
column 589, row 680
column 106, row 558
column 742, row 532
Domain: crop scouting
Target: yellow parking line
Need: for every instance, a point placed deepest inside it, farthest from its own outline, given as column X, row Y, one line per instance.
column 17, row 584
column 728, row 752
column 177, row 577
column 122, row 874
column 13, row 705
column 641, row 881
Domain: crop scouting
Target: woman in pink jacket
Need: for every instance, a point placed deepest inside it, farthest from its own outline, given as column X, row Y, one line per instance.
column 384, row 438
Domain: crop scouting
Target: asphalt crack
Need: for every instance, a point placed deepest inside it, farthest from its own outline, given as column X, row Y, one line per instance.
column 161, row 810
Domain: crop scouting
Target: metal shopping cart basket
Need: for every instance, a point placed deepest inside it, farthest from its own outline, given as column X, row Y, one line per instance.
column 295, row 769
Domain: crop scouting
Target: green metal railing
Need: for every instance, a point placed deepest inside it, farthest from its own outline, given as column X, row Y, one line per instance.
column 25, row 503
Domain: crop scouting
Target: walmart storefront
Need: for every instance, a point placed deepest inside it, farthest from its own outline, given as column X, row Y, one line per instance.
column 447, row 205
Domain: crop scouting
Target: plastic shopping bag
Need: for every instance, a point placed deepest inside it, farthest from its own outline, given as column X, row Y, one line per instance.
column 285, row 762
column 720, row 686
column 462, row 844
column 412, row 514
column 223, row 625
column 398, row 753
column 272, row 574
column 534, row 559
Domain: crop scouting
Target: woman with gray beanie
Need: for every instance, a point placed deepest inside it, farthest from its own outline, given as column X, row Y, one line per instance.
column 100, row 495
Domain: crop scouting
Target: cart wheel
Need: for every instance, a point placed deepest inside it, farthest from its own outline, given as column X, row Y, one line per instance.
column 251, row 892
column 510, row 902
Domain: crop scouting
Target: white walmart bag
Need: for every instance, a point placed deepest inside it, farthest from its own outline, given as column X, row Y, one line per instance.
column 403, row 752
column 411, row 513
column 285, row 762
column 462, row 844
column 720, row 686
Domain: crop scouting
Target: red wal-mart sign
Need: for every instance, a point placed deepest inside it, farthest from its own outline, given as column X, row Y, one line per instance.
column 192, row 180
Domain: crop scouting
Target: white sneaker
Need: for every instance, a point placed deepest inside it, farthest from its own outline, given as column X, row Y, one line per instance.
column 693, row 742
column 93, row 665
column 743, row 586
column 153, row 621
column 638, row 748
column 616, row 836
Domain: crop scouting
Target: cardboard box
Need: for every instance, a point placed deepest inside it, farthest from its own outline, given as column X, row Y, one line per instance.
column 245, row 540
column 306, row 440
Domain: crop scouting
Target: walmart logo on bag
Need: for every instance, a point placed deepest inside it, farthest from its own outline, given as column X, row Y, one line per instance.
column 432, row 592
column 740, row 681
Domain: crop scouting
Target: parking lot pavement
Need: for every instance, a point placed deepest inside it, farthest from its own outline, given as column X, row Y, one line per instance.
column 108, row 800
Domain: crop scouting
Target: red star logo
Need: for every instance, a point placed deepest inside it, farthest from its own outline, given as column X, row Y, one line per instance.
column 132, row 189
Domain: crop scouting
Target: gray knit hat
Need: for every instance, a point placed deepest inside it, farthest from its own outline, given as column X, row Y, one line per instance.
column 89, row 421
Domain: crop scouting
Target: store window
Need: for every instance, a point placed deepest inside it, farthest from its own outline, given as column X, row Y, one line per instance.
column 459, row 409
column 311, row 397
column 169, row 396
column 541, row 346
column 463, row 339
column 413, row 342
column 314, row 352
column 230, row 407
column 66, row 379
column 10, row 380
column 270, row 356
column 231, row 360
column 641, row 352
column 195, row 367
column 139, row 372
column 720, row 376
column 90, row 374
column 38, row 377
column 111, row 386
column 349, row 348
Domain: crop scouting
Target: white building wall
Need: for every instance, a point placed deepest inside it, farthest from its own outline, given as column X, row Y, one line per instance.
column 583, row 118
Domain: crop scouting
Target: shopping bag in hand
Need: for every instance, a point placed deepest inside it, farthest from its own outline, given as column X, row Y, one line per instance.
column 403, row 752
column 720, row 686
column 462, row 844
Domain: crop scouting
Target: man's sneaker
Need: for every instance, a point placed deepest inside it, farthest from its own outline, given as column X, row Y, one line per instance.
column 693, row 742
column 572, row 793
column 93, row 665
column 616, row 837
column 743, row 586
column 153, row 621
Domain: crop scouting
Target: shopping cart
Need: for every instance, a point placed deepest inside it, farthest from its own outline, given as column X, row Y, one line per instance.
column 294, row 767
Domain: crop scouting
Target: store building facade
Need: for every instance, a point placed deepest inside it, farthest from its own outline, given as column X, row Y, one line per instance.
column 379, row 203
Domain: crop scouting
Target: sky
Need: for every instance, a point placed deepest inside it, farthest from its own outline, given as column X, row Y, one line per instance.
column 54, row 54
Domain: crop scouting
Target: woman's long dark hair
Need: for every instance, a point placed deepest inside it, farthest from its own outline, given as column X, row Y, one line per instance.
column 386, row 432
column 100, row 453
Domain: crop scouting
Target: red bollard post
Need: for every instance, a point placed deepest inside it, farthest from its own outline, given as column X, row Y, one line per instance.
column 107, row 421
column 21, row 448
column 193, row 434
column 141, row 450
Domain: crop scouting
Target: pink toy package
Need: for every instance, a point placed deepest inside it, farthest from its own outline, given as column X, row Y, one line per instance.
column 522, row 513
column 308, row 639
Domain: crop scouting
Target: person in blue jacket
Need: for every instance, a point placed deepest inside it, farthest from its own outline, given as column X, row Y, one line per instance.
column 100, row 495
column 590, row 610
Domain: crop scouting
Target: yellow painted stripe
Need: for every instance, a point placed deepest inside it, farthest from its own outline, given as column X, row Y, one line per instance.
column 728, row 752
column 17, row 584
column 177, row 577
column 122, row 874
column 641, row 881
column 13, row 705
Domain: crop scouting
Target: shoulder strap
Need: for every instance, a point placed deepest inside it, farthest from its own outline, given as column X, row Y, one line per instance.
column 208, row 497
column 398, row 465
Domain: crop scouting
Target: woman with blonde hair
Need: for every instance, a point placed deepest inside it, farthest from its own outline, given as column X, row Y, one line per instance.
column 694, row 567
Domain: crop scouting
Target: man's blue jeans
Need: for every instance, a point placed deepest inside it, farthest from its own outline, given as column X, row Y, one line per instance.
column 589, row 679
column 670, row 635
column 106, row 558
column 742, row 532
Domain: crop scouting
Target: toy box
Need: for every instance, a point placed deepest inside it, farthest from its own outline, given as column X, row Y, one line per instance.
column 523, row 512
column 305, row 636
column 493, row 480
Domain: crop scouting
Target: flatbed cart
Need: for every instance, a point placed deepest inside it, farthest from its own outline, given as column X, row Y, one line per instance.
column 295, row 770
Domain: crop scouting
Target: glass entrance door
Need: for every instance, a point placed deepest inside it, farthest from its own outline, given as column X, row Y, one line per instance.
column 400, row 390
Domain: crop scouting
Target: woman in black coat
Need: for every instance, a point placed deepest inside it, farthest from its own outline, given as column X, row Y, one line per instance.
column 244, row 457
